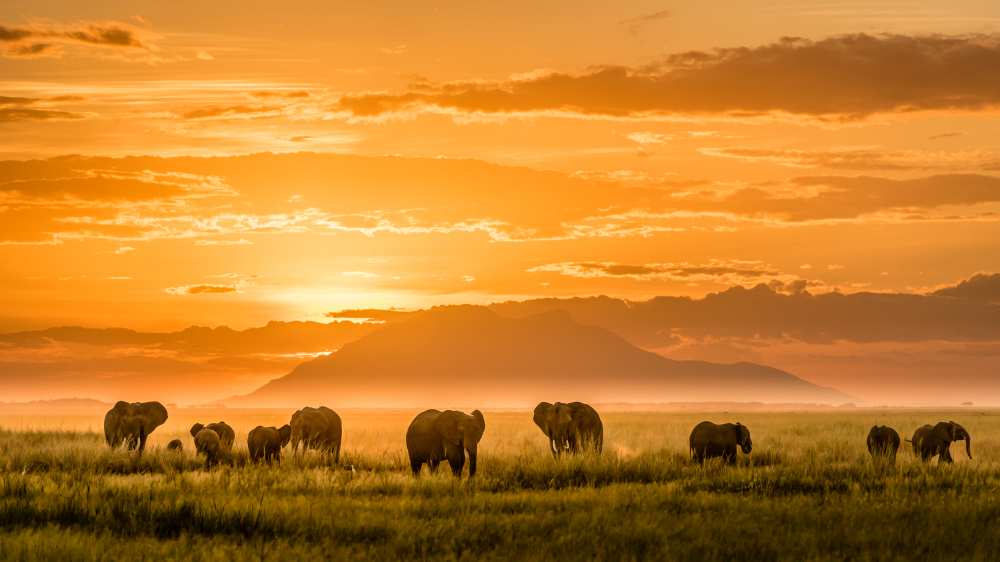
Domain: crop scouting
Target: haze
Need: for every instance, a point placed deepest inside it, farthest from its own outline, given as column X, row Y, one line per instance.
column 814, row 184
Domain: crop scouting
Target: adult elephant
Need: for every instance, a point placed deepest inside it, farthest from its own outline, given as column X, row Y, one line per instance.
column 709, row 440
column 222, row 429
column 935, row 440
column 207, row 442
column 434, row 436
column 570, row 427
column 265, row 443
column 131, row 423
column 883, row 443
column 317, row 428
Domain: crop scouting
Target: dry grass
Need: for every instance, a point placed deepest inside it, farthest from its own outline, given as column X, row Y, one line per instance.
column 808, row 492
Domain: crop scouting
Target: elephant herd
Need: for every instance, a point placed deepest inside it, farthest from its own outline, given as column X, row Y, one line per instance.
column 435, row 436
column 928, row 441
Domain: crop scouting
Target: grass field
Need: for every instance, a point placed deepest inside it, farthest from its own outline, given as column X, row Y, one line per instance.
column 809, row 491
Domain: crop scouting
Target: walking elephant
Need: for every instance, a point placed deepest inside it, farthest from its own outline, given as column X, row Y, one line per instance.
column 131, row 423
column 175, row 446
column 317, row 428
column 434, row 436
column 883, row 443
column 265, row 443
column 571, row 427
column 709, row 440
column 208, row 443
column 222, row 429
column 929, row 441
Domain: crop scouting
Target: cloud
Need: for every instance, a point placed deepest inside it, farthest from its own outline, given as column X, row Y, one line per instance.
column 237, row 242
column 202, row 289
column 855, row 158
column 646, row 138
column 122, row 250
column 779, row 313
column 636, row 24
column 842, row 77
column 982, row 287
column 12, row 114
column 39, row 39
column 726, row 272
column 231, row 111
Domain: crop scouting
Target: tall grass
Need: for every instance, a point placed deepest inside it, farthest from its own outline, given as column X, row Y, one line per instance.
column 809, row 491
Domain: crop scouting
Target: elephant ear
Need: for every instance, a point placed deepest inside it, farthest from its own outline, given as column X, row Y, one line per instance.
column 473, row 428
column 196, row 428
column 543, row 412
column 448, row 426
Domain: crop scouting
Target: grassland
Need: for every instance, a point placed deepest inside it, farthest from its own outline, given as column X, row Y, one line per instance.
column 809, row 491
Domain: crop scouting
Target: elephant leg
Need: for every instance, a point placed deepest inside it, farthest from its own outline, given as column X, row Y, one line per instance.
column 729, row 455
column 946, row 457
column 336, row 454
column 457, row 462
column 142, row 441
column 432, row 465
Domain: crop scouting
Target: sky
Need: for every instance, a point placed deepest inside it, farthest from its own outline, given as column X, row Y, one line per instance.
column 164, row 164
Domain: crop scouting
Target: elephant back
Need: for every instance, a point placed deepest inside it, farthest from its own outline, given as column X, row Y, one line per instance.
column 226, row 434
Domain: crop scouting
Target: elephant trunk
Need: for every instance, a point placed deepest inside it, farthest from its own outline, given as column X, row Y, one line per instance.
column 968, row 445
column 472, row 460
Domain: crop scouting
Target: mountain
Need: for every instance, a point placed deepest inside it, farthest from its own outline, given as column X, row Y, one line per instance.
column 472, row 356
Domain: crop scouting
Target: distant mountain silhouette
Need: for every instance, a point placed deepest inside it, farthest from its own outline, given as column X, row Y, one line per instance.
column 470, row 355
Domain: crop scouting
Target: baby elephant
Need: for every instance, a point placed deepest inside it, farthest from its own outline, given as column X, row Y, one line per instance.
column 709, row 440
column 265, row 443
column 225, row 433
column 175, row 446
column 883, row 442
column 207, row 443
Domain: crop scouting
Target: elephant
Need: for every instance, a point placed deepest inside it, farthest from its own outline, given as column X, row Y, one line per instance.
column 265, row 443
column 883, row 442
column 131, row 424
column 929, row 441
column 226, row 433
column 207, row 442
column 709, row 440
column 317, row 428
column 435, row 435
column 175, row 446
column 571, row 427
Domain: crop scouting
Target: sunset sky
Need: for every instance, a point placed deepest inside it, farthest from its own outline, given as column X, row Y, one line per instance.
column 485, row 151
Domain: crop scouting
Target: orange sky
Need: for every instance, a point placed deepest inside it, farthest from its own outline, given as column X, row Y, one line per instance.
column 482, row 152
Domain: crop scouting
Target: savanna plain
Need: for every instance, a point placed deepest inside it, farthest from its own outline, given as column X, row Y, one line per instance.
column 809, row 491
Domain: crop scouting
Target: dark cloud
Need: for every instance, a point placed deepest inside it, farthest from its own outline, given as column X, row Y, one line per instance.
column 38, row 40
column 983, row 287
column 846, row 197
column 861, row 158
column 228, row 111
column 9, row 115
column 764, row 312
column 842, row 77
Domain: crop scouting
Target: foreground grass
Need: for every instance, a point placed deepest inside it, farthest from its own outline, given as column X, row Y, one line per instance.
column 809, row 492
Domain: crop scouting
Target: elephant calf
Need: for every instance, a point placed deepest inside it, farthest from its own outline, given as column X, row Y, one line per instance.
column 571, row 427
column 175, row 446
column 883, row 443
column 709, row 440
column 265, row 443
column 434, row 436
column 929, row 441
column 208, row 443
column 222, row 429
